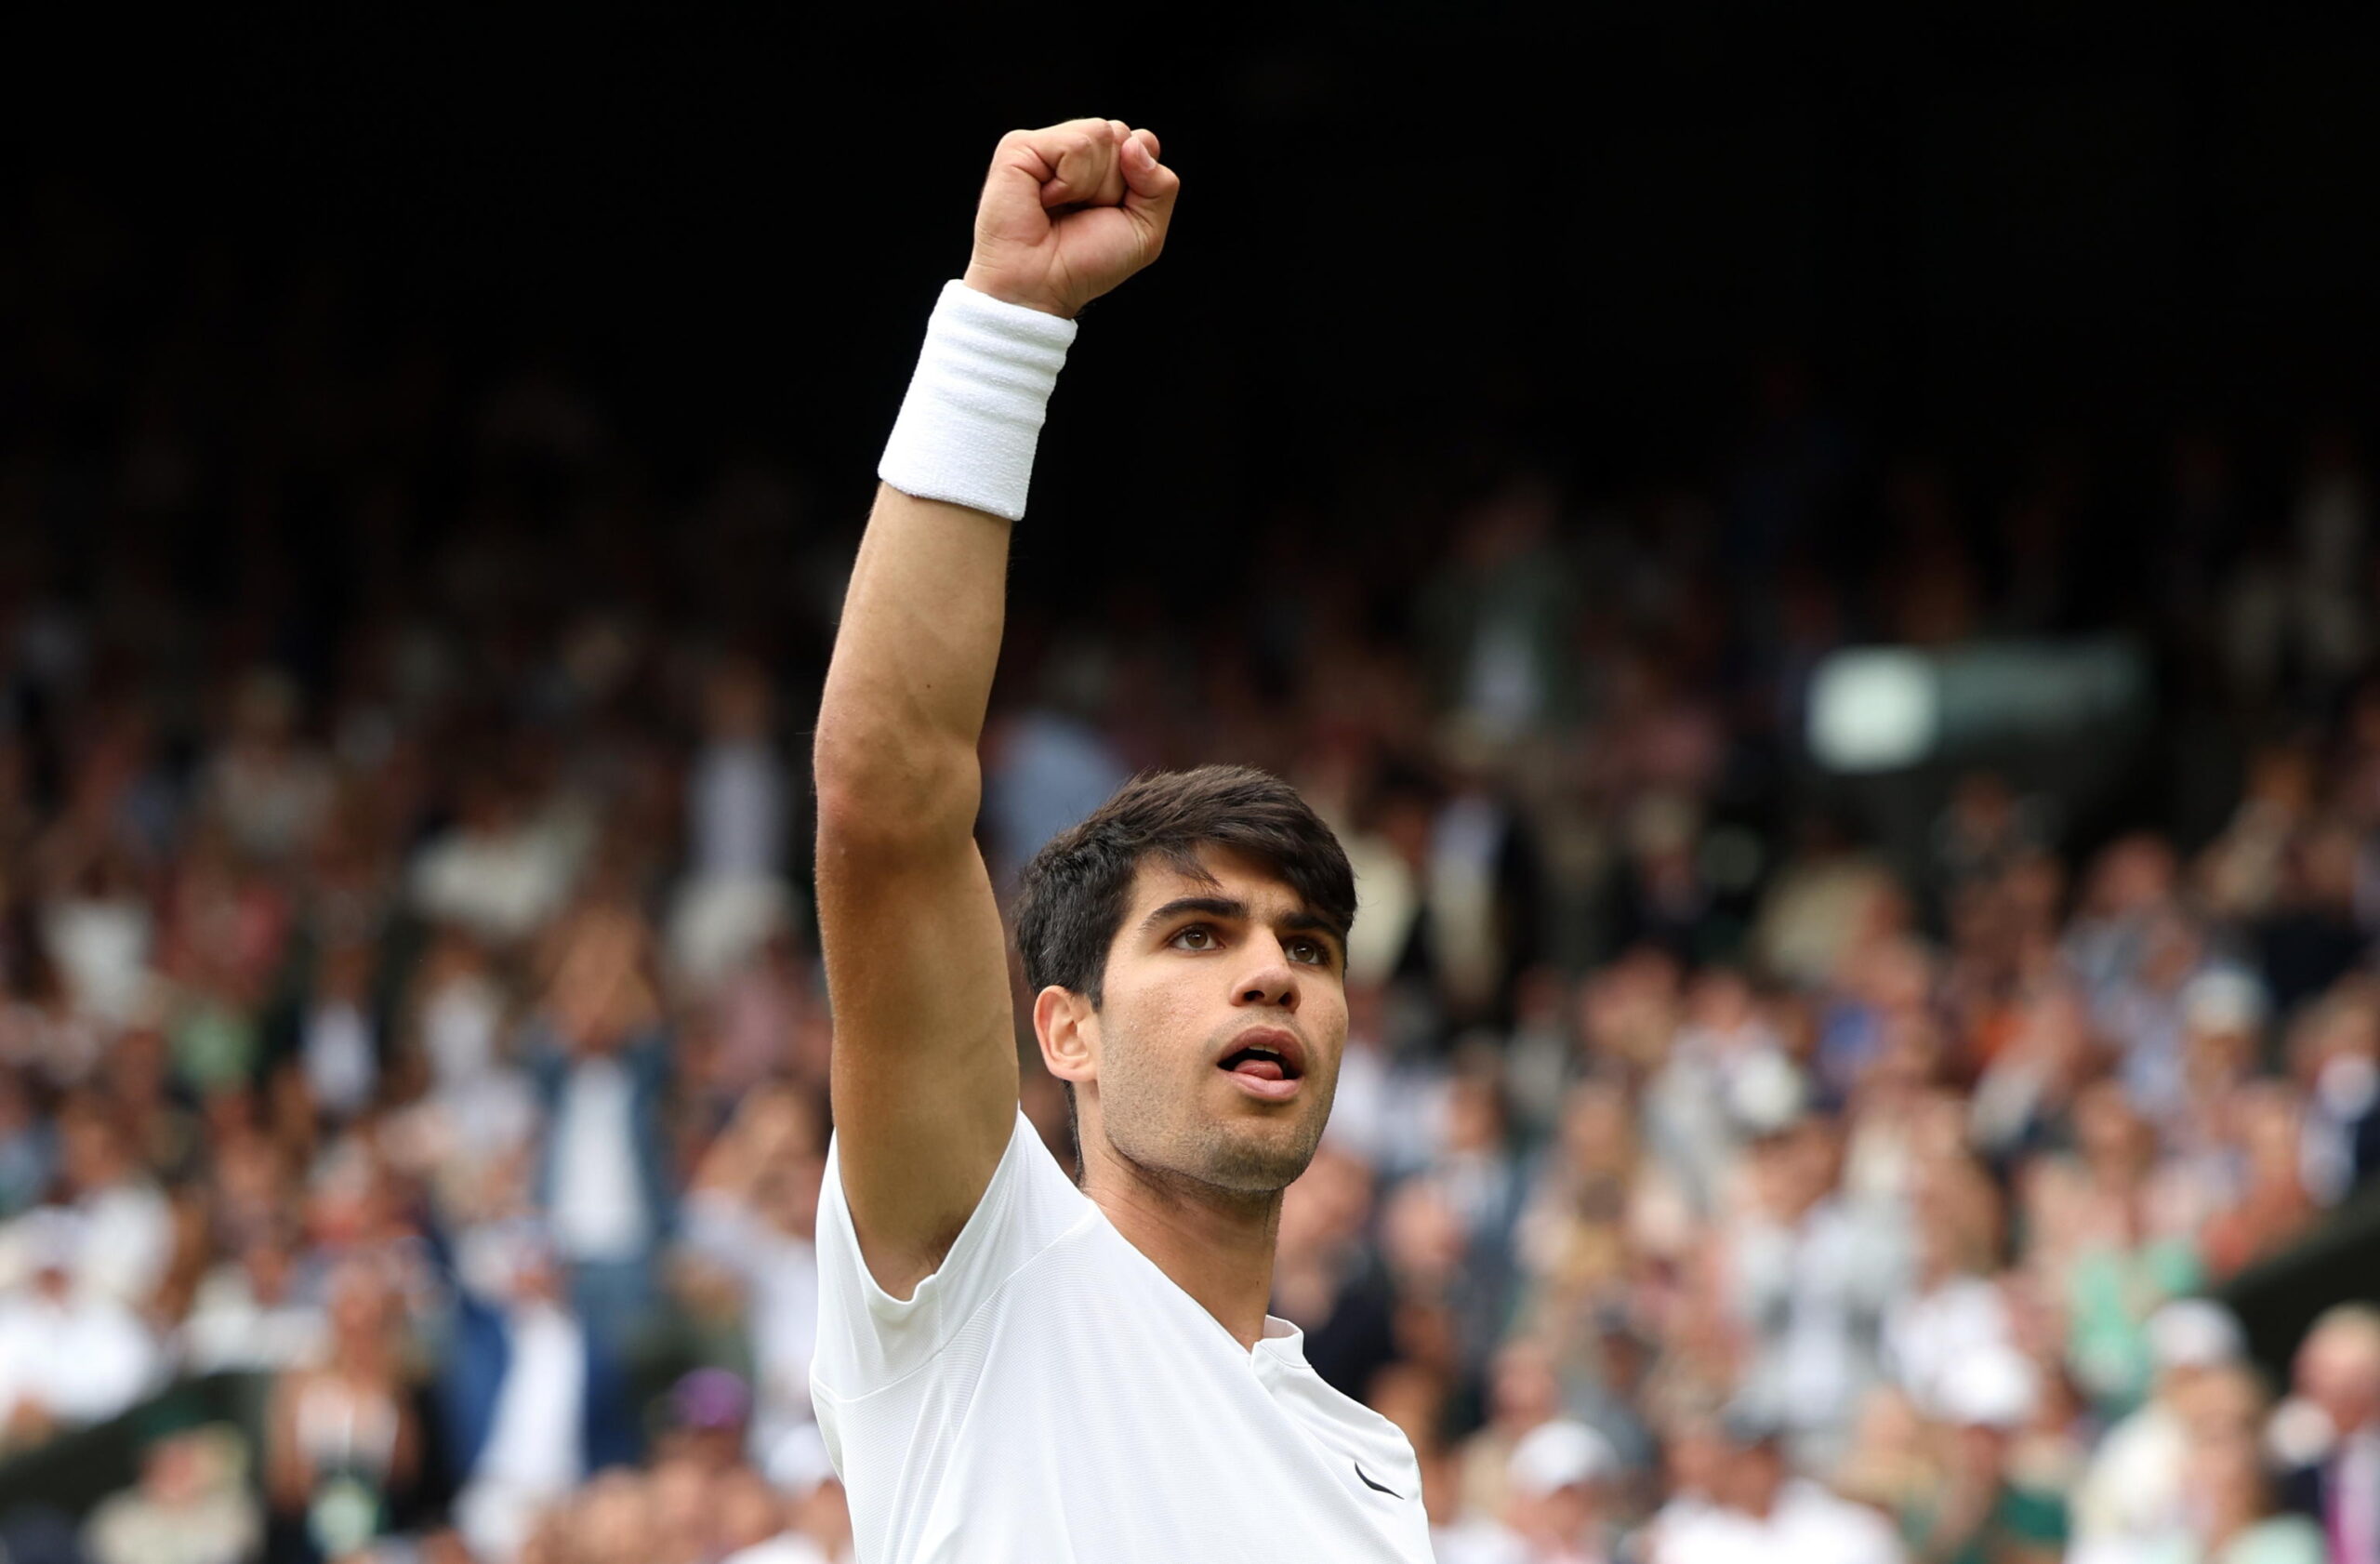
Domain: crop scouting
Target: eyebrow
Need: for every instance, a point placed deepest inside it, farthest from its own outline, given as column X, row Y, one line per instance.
column 1302, row 920
column 1213, row 907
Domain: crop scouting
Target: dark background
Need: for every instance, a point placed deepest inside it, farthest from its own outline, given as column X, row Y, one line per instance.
column 1584, row 239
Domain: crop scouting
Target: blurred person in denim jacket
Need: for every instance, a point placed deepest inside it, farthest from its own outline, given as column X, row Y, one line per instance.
column 600, row 1058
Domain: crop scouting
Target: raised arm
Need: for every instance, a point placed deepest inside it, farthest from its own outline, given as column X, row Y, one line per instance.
column 924, row 1074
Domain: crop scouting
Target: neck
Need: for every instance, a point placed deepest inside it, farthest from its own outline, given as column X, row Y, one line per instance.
column 1216, row 1244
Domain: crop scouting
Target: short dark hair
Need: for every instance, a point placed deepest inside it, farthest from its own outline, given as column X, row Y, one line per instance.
column 1072, row 897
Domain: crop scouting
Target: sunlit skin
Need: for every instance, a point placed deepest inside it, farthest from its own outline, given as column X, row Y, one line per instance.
column 1187, row 1162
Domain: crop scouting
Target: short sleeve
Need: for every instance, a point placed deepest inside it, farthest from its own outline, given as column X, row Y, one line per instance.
column 867, row 1338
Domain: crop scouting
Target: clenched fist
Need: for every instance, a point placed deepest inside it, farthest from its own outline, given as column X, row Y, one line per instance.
column 1068, row 213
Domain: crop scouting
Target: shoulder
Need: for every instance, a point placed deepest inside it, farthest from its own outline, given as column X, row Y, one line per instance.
column 868, row 1337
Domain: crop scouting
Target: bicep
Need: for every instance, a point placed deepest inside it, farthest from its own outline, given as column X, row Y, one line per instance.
column 924, row 1074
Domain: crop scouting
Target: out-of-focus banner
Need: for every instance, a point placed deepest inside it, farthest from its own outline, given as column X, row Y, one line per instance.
column 1875, row 710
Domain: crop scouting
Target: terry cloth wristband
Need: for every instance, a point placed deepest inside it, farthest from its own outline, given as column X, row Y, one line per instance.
column 973, row 413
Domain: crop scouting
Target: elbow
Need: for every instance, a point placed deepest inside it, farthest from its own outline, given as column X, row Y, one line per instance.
column 885, row 792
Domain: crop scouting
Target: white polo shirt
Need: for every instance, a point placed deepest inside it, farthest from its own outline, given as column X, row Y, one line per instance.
column 1051, row 1395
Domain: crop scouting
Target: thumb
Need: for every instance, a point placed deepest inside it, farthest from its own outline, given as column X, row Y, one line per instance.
column 1149, row 187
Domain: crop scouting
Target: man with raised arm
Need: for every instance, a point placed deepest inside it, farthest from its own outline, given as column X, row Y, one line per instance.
column 1008, row 1367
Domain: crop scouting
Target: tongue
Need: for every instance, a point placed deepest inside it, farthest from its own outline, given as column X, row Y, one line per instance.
column 1261, row 1069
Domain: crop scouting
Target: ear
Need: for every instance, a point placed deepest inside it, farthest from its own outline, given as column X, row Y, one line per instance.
column 1068, row 1029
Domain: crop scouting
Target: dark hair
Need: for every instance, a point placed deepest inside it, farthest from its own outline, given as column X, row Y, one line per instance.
column 1073, row 896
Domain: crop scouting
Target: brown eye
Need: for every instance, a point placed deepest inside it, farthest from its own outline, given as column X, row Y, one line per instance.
column 1309, row 951
column 1197, row 936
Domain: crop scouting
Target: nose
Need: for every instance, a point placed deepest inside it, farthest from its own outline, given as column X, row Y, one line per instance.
column 1274, row 981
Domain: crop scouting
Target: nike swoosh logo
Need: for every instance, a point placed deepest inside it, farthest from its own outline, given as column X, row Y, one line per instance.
column 1367, row 1482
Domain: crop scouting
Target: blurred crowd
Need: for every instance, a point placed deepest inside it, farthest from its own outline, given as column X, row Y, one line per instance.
column 412, row 1007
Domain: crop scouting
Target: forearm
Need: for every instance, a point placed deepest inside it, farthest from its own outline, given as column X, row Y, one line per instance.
column 903, row 704
column 906, row 694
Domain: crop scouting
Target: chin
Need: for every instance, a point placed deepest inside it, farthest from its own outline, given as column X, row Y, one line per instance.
column 1203, row 1142
column 1259, row 1163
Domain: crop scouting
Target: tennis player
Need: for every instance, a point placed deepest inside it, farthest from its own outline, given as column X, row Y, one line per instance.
column 1008, row 1367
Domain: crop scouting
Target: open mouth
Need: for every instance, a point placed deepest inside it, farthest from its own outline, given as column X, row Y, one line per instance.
column 1267, row 1064
column 1261, row 1064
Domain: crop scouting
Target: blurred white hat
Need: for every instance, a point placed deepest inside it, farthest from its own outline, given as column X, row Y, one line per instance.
column 1997, row 1388
column 2194, row 1333
column 1559, row 1455
column 1765, row 1092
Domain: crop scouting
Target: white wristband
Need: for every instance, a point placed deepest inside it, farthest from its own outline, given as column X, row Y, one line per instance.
column 973, row 413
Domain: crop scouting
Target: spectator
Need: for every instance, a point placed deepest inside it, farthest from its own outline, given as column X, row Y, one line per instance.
column 70, row 1353
column 1524, row 1395
column 505, row 866
column 270, row 789
column 1327, row 1279
column 739, row 812
column 342, row 1444
column 2336, row 1051
column 1761, row 1515
column 125, row 1230
column 338, row 1048
column 247, row 1316
column 1557, row 1500
column 1571, row 1241
column 1696, row 1450
column 752, row 1213
column 600, row 1058
column 2235, row 1520
column 1048, row 765
column 1953, row 1310
column 2135, row 1489
column 2269, row 1206
column 2120, row 1245
column 1458, row 1534
column 2339, row 1373
column 1982, row 1512
column 534, row 1403
column 191, row 1505
column 1810, row 1278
